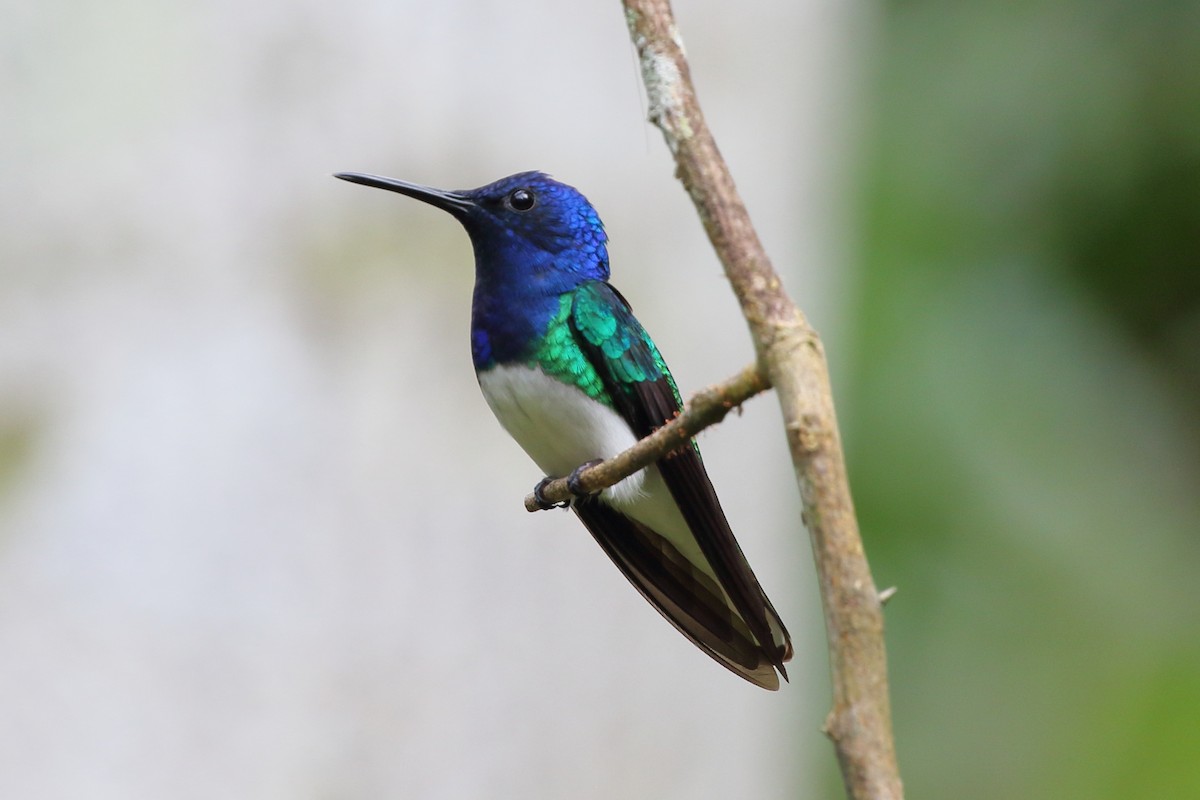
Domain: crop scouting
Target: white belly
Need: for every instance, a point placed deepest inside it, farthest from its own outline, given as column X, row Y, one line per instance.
column 560, row 428
column 558, row 425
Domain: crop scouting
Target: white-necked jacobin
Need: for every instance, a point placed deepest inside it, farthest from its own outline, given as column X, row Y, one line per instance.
column 574, row 378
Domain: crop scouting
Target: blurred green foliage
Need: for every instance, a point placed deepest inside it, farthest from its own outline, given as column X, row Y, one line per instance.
column 1023, row 414
column 18, row 434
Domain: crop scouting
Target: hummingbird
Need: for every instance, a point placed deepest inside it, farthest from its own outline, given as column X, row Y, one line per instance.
column 574, row 378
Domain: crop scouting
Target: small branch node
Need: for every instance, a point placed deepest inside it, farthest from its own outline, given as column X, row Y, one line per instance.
column 809, row 433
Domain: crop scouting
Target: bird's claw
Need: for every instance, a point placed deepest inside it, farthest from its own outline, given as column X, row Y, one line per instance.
column 576, row 474
column 539, row 491
column 540, row 496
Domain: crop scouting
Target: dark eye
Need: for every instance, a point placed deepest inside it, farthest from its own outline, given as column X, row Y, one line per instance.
column 521, row 200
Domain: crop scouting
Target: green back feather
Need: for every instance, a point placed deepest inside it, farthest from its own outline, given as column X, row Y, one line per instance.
column 596, row 313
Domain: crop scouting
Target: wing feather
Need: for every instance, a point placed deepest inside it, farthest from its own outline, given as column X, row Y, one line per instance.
column 644, row 394
column 686, row 597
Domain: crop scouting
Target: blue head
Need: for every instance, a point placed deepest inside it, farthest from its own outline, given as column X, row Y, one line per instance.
column 534, row 240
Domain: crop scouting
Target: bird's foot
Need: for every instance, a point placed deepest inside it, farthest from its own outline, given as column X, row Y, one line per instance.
column 539, row 491
column 575, row 476
column 540, row 496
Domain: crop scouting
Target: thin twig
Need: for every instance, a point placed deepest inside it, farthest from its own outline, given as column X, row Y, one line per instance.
column 793, row 358
column 706, row 407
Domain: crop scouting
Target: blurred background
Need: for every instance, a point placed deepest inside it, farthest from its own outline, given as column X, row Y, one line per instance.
column 1022, row 398
column 260, row 536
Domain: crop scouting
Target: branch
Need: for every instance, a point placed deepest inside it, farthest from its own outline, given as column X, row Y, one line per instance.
column 706, row 407
column 793, row 359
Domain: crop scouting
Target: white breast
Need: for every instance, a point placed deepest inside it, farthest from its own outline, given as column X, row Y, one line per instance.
column 560, row 428
column 558, row 425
